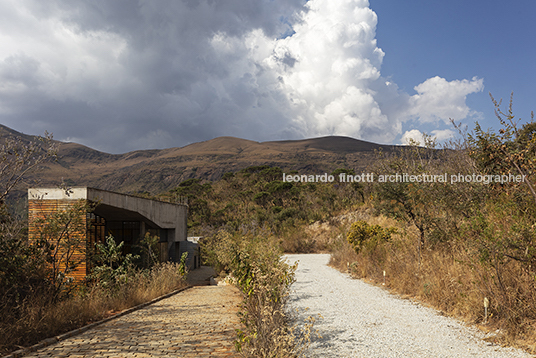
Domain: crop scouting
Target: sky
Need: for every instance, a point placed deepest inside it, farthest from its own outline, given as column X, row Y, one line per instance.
column 125, row 75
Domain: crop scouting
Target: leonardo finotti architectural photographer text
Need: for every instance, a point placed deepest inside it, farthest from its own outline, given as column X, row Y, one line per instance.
column 403, row 178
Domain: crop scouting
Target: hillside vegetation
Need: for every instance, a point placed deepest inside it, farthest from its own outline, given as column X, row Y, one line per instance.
column 257, row 200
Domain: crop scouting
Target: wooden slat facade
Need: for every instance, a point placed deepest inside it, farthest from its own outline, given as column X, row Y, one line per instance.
column 41, row 210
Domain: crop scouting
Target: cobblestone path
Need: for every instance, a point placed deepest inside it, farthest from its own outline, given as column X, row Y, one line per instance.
column 198, row 322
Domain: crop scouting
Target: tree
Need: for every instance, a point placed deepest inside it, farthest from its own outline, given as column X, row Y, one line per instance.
column 505, row 227
column 22, row 266
column 512, row 150
column 18, row 157
column 404, row 199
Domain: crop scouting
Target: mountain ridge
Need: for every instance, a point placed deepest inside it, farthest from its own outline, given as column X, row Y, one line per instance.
column 157, row 170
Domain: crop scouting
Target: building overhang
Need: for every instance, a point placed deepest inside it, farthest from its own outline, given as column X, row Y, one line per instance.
column 122, row 207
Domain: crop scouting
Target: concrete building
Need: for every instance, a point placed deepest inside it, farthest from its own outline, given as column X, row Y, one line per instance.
column 127, row 218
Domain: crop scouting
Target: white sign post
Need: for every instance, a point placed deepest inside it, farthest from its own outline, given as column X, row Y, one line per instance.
column 486, row 305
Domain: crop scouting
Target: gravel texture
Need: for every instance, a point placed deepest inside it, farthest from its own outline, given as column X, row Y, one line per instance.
column 362, row 320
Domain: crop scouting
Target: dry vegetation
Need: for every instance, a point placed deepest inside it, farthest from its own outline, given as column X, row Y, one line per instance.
column 451, row 279
column 454, row 244
column 37, row 317
column 457, row 244
column 248, row 219
column 154, row 171
column 254, row 264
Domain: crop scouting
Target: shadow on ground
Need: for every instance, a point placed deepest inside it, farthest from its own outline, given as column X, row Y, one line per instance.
column 201, row 276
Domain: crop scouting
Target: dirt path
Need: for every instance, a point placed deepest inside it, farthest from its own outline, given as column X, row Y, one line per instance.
column 198, row 322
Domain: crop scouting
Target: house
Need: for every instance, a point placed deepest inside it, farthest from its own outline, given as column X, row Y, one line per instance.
column 127, row 218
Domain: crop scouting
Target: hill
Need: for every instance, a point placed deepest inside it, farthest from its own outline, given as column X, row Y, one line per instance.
column 160, row 170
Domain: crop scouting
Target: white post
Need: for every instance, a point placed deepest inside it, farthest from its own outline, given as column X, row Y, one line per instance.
column 486, row 305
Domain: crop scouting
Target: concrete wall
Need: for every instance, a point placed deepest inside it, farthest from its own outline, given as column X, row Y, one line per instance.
column 163, row 215
column 193, row 260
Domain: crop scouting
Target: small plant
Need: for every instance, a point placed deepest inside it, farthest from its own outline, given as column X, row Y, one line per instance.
column 264, row 281
column 149, row 249
column 111, row 266
column 183, row 269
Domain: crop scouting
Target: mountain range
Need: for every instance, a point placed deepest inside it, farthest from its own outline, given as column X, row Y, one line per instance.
column 158, row 170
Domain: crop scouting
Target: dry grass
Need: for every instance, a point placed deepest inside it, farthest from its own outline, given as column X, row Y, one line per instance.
column 38, row 319
column 449, row 278
column 321, row 236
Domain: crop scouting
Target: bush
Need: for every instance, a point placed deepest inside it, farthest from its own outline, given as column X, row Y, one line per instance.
column 361, row 235
column 111, row 268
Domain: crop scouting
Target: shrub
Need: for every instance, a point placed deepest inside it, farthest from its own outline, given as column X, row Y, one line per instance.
column 111, row 268
column 361, row 235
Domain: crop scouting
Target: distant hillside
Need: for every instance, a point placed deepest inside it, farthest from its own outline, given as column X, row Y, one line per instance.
column 159, row 170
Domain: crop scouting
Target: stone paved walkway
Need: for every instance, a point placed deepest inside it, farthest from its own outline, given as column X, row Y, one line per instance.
column 198, row 322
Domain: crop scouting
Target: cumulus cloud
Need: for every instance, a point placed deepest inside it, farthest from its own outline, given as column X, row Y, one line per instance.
column 443, row 134
column 335, row 59
column 418, row 137
column 439, row 100
column 124, row 75
column 413, row 136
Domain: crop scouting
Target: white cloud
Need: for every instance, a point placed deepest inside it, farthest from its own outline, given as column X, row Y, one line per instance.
column 439, row 100
column 334, row 60
column 415, row 135
column 443, row 134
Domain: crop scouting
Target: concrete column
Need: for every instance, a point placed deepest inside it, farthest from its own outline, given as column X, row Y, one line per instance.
column 181, row 228
column 143, row 230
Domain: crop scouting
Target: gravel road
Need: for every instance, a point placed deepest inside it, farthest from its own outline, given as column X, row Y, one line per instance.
column 361, row 320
